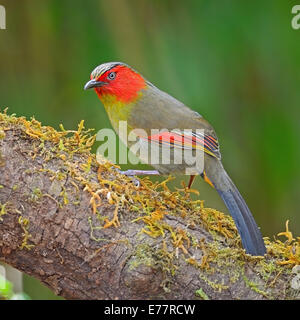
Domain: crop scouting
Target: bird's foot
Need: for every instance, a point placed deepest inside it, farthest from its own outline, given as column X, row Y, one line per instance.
column 132, row 173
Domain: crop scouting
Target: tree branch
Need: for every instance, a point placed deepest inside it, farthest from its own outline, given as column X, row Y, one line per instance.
column 88, row 233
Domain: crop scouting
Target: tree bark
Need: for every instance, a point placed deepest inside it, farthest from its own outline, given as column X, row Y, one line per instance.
column 73, row 224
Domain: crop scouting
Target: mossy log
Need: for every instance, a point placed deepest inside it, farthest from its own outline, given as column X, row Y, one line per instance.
column 88, row 232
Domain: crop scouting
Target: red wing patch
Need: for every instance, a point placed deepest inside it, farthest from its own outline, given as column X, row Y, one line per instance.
column 188, row 140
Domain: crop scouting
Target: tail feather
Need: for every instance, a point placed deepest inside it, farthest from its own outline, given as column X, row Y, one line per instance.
column 250, row 234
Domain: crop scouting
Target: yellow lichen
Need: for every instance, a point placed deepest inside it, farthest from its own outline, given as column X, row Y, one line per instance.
column 24, row 223
column 287, row 253
column 2, row 210
column 2, row 133
column 115, row 220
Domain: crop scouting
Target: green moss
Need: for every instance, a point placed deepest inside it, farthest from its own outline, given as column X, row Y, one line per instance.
column 255, row 287
column 267, row 269
column 200, row 293
column 143, row 255
column 224, row 258
column 36, row 195
column 214, row 284
column 154, row 258
column 95, row 228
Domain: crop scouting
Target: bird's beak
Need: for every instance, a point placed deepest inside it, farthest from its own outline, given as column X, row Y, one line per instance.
column 94, row 84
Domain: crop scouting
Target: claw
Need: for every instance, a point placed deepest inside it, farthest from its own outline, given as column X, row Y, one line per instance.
column 130, row 174
column 136, row 182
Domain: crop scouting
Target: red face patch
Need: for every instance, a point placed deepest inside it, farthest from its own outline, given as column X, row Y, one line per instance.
column 122, row 82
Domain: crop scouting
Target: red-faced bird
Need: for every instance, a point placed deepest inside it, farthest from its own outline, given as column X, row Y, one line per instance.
column 128, row 96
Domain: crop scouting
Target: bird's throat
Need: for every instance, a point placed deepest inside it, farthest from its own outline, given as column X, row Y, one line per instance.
column 116, row 109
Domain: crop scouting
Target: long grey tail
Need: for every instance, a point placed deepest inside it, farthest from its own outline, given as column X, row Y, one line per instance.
column 250, row 234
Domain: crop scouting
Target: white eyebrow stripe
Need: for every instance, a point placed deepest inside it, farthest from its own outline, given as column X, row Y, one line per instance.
column 98, row 71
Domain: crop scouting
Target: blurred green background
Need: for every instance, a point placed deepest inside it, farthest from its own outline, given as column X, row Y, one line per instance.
column 237, row 63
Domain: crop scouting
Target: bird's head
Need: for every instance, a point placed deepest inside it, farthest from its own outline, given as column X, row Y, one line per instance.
column 116, row 81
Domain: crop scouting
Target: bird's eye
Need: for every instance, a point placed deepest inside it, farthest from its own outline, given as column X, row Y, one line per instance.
column 111, row 76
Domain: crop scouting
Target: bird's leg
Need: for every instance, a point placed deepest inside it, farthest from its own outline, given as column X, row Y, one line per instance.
column 192, row 178
column 132, row 173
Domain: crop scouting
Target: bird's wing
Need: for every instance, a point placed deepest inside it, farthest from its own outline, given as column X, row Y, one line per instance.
column 197, row 139
column 159, row 110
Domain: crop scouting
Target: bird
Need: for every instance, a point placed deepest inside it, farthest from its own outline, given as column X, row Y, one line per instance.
column 129, row 97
